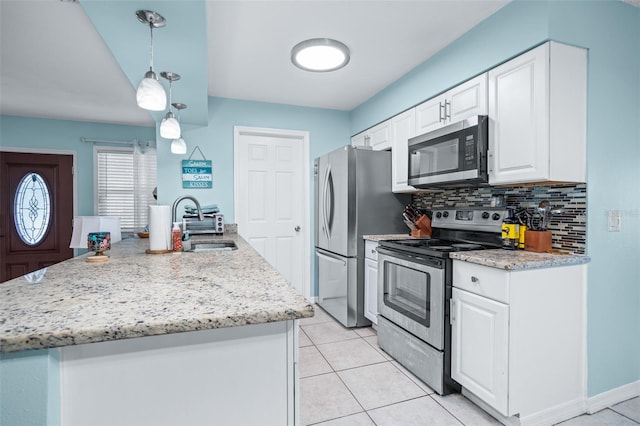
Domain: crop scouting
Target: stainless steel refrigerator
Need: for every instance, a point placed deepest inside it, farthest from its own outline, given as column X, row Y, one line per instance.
column 352, row 198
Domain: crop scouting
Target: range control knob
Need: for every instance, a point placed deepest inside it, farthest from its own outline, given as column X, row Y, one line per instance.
column 438, row 215
column 445, row 214
column 496, row 216
column 485, row 215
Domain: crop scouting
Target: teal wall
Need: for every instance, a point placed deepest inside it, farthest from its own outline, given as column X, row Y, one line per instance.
column 30, row 388
column 328, row 129
column 34, row 133
column 610, row 30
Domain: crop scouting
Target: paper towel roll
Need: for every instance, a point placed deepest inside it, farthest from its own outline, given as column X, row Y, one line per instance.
column 159, row 227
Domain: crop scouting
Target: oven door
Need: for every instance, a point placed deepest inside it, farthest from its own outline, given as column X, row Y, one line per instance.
column 411, row 292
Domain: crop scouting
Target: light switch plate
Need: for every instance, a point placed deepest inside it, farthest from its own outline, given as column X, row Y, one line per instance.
column 614, row 221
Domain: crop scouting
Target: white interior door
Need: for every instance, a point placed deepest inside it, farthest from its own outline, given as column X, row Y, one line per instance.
column 272, row 199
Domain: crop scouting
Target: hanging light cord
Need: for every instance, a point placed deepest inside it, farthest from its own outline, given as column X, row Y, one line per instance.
column 151, row 47
column 170, row 81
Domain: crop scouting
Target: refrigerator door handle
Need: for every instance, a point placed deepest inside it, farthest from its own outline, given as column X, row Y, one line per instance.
column 327, row 203
column 332, row 258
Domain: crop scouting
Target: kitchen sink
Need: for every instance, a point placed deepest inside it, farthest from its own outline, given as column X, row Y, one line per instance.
column 221, row 245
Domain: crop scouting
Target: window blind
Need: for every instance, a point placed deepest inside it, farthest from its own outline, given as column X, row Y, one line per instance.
column 124, row 184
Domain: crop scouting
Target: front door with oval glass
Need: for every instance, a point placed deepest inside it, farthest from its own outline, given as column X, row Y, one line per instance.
column 36, row 208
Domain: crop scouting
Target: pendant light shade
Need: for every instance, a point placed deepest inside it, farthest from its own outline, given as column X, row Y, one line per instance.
column 178, row 146
column 170, row 128
column 150, row 94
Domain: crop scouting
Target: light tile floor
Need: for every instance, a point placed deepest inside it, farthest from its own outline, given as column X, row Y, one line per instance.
column 346, row 379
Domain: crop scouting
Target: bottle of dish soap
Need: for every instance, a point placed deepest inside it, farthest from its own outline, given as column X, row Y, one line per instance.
column 176, row 237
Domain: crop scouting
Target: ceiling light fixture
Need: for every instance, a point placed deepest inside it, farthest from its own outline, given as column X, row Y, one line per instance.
column 179, row 146
column 170, row 128
column 150, row 94
column 320, row 55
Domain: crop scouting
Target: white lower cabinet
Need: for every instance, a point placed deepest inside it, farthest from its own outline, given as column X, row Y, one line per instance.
column 481, row 347
column 371, row 281
column 518, row 340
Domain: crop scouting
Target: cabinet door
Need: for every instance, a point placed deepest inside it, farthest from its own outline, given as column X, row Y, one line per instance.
column 479, row 347
column 402, row 129
column 467, row 99
column 519, row 126
column 371, row 290
column 430, row 115
column 379, row 136
column 359, row 140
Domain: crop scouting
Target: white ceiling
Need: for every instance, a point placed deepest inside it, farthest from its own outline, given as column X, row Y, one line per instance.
column 54, row 64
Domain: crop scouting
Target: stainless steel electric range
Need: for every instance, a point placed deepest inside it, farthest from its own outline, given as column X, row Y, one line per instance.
column 414, row 289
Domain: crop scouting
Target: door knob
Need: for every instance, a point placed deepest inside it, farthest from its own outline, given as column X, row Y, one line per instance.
column 297, row 229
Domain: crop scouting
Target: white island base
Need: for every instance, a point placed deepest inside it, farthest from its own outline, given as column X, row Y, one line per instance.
column 228, row 376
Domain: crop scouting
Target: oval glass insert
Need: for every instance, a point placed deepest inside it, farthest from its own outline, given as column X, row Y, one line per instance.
column 32, row 209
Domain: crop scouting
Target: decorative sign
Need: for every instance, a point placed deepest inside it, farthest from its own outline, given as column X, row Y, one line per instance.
column 197, row 174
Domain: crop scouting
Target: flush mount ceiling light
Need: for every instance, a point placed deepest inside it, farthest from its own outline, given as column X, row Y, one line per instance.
column 170, row 128
column 179, row 146
column 150, row 94
column 320, row 55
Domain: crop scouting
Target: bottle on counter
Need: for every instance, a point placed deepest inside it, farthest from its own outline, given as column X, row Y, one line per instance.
column 176, row 237
column 186, row 241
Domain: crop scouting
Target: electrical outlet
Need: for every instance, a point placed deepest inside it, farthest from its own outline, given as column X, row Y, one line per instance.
column 614, row 220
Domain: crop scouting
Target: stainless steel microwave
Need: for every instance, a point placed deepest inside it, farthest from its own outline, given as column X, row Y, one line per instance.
column 452, row 156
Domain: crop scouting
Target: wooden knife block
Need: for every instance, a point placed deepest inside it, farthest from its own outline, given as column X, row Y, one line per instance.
column 537, row 241
column 424, row 227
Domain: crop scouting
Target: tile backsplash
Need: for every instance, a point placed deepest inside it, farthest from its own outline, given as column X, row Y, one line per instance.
column 568, row 228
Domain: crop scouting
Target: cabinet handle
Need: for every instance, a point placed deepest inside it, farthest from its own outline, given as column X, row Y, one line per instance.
column 490, row 161
column 474, row 279
column 443, row 113
column 452, row 310
column 447, row 115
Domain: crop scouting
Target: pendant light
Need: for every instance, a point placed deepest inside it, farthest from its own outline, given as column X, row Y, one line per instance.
column 179, row 146
column 150, row 94
column 170, row 128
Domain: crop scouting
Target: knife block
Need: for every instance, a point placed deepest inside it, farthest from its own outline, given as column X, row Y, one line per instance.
column 424, row 227
column 537, row 241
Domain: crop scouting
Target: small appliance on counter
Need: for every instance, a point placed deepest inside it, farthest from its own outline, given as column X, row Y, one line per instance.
column 212, row 224
column 510, row 231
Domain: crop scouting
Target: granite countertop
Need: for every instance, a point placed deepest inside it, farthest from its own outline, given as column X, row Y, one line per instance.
column 514, row 260
column 386, row 237
column 136, row 294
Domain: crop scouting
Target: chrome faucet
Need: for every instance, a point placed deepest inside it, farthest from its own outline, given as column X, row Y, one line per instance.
column 174, row 209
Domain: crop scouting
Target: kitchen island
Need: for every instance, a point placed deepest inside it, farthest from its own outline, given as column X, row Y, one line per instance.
column 185, row 338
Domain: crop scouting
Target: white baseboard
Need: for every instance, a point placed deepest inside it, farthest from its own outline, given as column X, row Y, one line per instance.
column 613, row 397
column 546, row 417
column 557, row 414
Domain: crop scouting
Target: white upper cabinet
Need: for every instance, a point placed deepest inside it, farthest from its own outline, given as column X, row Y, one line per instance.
column 463, row 101
column 402, row 129
column 360, row 139
column 537, row 111
column 378, row 137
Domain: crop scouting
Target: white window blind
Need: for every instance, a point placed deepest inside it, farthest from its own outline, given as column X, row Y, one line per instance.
column 125, row 179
